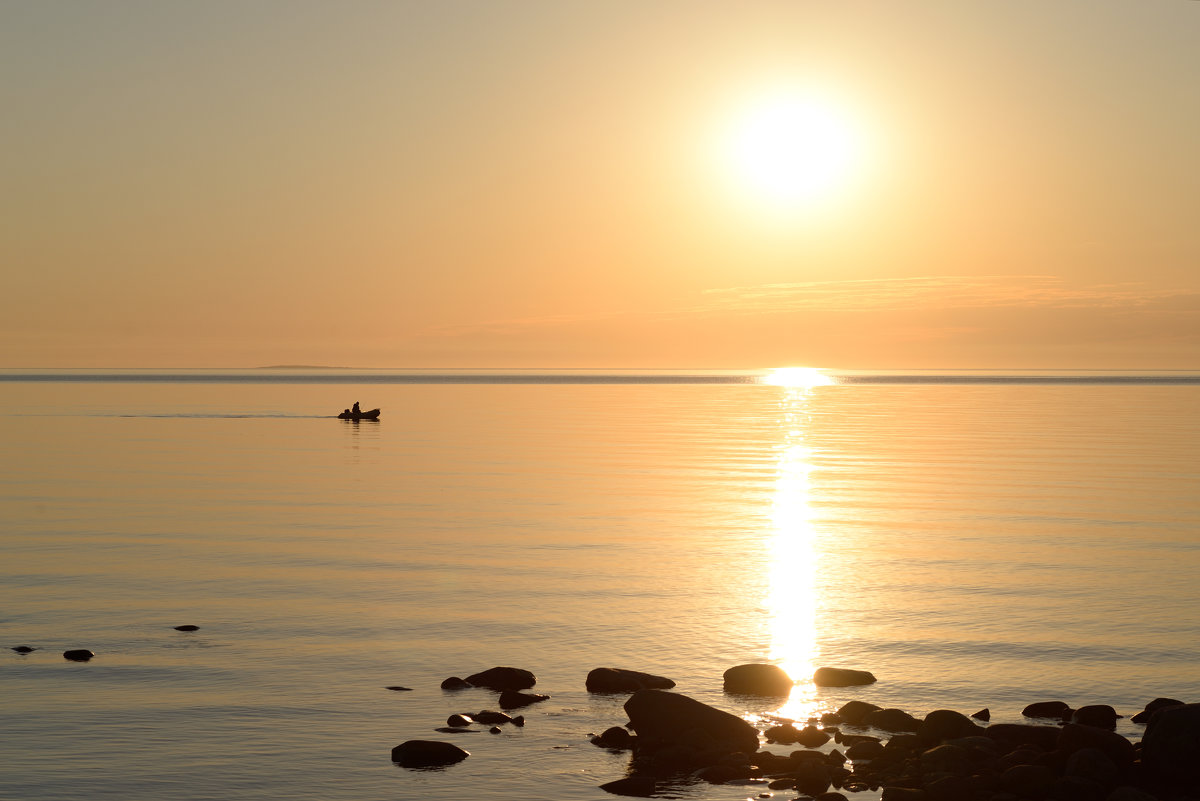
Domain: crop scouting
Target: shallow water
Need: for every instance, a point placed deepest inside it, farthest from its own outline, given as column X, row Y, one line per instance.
column 981, row 543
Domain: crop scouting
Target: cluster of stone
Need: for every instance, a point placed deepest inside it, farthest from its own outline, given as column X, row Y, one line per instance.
column 945, row 756
column 507, row 681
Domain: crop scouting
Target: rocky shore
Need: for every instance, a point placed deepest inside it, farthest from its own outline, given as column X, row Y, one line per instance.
column 862, row 750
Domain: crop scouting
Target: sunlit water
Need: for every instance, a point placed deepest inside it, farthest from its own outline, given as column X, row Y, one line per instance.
column 974, row 542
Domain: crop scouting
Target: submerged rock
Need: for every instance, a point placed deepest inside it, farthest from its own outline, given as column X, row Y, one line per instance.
column 490, row 716
column 894, row 720
column 511, row 699
column 855, row 712
column 427, row 753
column 1046, row 709
column 638, row 786
column 841, row 677
column 24, row 649
column 503, row 678
column 459, row 720
column 758, row 679
column 78, row 655
column 616, row 680
column 187, row 627
column 398, row 688
column 455, row 683
column 615, row 737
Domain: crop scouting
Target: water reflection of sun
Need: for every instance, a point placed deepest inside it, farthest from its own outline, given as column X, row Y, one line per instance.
column 792, row 595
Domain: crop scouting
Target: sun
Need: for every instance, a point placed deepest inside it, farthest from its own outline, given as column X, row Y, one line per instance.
column 791, row 149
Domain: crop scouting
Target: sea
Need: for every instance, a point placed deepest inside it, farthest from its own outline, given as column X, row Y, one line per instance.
column 975, row 539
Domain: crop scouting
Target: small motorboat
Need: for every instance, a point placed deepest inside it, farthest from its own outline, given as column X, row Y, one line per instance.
column 371, row 415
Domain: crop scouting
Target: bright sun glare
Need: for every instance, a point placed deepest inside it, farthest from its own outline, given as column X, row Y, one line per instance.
column 791, row 149
column 802, row 377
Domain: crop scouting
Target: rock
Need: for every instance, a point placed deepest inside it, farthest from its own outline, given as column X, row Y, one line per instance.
column 398, row 688
column 1129, row 794
column 639, row 786
column 984, row 714
column 841, row 677
column 616, row 680
column 24, row 649
column 615, row 737
column 511, row 699
column 893, row 720
column 870, row 749
column 490, row 716
column 1102, row 716
column 1012, row 735
column 1028, row 781
column 1152, row 707
column 1046, row 709
column 1094, row 766
column 459, row 720
column 946, row 759
column 427, row 753
column 855, row 712
column 454, row 730
column 949, row 788
column 946, row 724
column 503, row 678
column 902, row 794
column 813, row 777
column 494, row 730
column 1171, row 744
column 187, row 627
column 518, row 721
column 455, row 683
column 78, row 655
column 812, row 737
column 663, row 718
column 717, row 774
column 1075, row 737
column 784, row 734
column 764, row 680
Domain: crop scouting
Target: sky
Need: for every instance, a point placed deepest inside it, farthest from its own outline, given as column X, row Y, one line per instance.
column 849, row 184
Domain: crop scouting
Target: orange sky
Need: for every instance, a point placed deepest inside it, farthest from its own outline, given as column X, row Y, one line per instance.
column 549, row 184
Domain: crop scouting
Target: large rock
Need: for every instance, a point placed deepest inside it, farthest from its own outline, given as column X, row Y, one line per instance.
column 427, row 753
column 1152, row 707
column 637, row 786
column 855, row 712
column 1102, row 716
column 893, row 720
column 503, row 678
column 1010, row 736
column 663, row 719
column 841, row 677
column 616, row 680
column 1076, row 737
column 766, row 680
column 78, row 654
column 946, row 724
column 1046, row 709
column 1171, row 744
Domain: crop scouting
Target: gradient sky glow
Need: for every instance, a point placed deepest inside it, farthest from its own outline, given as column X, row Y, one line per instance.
column 543, row 184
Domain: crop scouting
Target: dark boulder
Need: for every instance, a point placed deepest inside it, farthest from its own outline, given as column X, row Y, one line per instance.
column 616, row 680
column 1152, row 707
column 78, row 655
column 764, row 680
column 1102, row 716
column 494, row 730
column 855, row 712
column 615, row 737
column 427, row 753
column 865, row 750
column 946, row 724
column 490, row 716
column 1075, row 737
column 812, row 737
column 511, row 699
column 638, row 786
column 455, row 683
column 1171, row 744
column 1028, row 781
column 518, row 721
column 1046, row 709
column 187, row 627
column 1093, row 766
column 784, row 734
column 24, row 649
column 893, row 720
column 503, row 678
column 1010, row 736
column 663, row 719
column 946, row 759
column 459, row 720
column 984, row 714
column 841, row 677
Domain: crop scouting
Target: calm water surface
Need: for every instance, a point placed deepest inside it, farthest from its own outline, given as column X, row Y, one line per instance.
column 973, row 540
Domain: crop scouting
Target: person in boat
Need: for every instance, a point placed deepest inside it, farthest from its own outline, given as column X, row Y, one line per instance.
column 356, row 410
